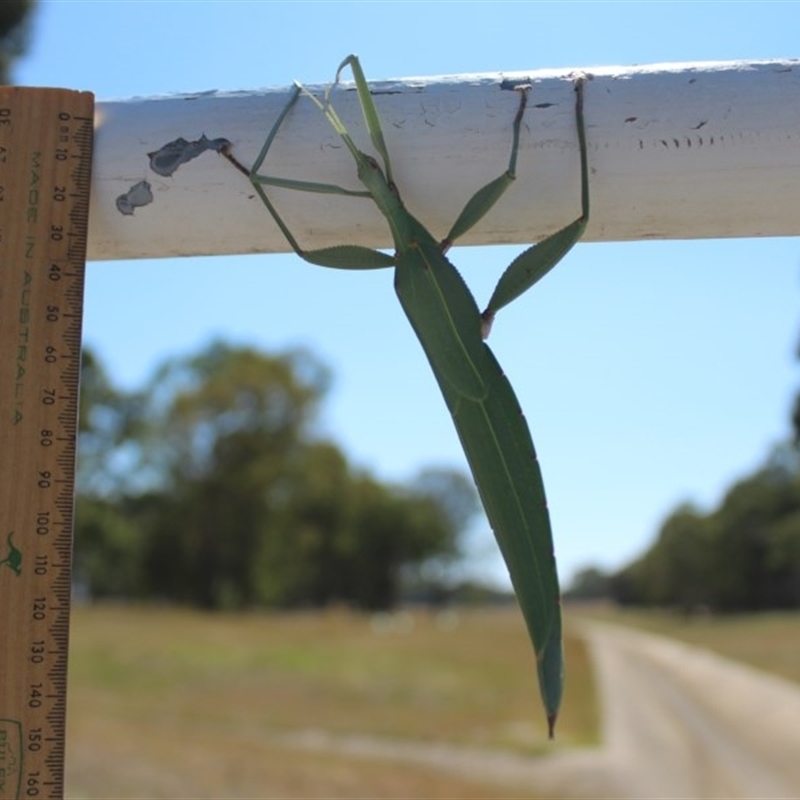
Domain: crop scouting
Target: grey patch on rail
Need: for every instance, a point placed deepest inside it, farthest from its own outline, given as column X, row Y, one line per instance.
column 169, row 157
column 138, row 195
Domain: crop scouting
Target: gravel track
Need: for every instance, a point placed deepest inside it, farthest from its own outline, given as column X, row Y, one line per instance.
column 679, row 721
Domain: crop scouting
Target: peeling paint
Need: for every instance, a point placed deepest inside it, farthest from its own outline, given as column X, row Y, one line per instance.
column 138, row 195
column 168, row 158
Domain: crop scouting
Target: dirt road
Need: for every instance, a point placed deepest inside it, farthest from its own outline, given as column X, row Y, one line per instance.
column 679, row 722
column 683, row 722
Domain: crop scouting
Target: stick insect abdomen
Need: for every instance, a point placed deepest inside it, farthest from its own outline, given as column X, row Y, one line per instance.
column 444, row 316
column 496, row 441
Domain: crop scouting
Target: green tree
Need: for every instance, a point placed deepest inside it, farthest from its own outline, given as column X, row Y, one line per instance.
column 108, row 549
column 200, row 410
column 108, row 545
column 302, row 559
column 15, row 20
column 452, row 492
column 589, row 583
column 676, row 569
column 226, row 431
column 678, row 566
column 746, row 524
column 346, row 537
column 209, row 488
column 110, row 428
column 743, row 556
column 394, row 529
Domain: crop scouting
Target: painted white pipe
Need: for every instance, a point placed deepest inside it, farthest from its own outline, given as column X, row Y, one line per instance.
column 677, row 151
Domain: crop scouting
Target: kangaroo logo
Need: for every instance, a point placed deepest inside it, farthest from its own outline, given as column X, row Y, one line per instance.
column 14, row 558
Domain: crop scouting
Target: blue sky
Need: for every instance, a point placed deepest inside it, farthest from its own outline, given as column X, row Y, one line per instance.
column 651, row 373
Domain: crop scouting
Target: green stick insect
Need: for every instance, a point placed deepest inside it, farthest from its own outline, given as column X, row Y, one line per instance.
column 451, row 329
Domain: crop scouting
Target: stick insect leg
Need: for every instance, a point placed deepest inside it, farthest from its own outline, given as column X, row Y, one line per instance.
column 371, row 118
column 535, row 262
column 482, row 201
column 286, row 183
column 342, row 257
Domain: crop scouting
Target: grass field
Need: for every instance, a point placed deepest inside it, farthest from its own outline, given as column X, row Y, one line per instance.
column 174, row 703
column 769, row 641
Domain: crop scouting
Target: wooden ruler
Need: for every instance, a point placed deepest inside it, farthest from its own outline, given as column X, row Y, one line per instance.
column 45, row 162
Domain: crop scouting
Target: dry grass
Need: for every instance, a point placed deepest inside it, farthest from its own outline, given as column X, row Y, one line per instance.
column 172, row 703
column 768, row 641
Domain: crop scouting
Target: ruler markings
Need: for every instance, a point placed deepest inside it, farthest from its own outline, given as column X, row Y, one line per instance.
column 45, row 160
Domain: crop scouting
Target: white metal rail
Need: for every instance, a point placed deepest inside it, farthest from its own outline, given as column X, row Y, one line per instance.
column 700, row 150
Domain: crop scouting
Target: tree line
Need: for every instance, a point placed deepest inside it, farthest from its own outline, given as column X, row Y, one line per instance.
column 210, row 487
column 742, row 556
